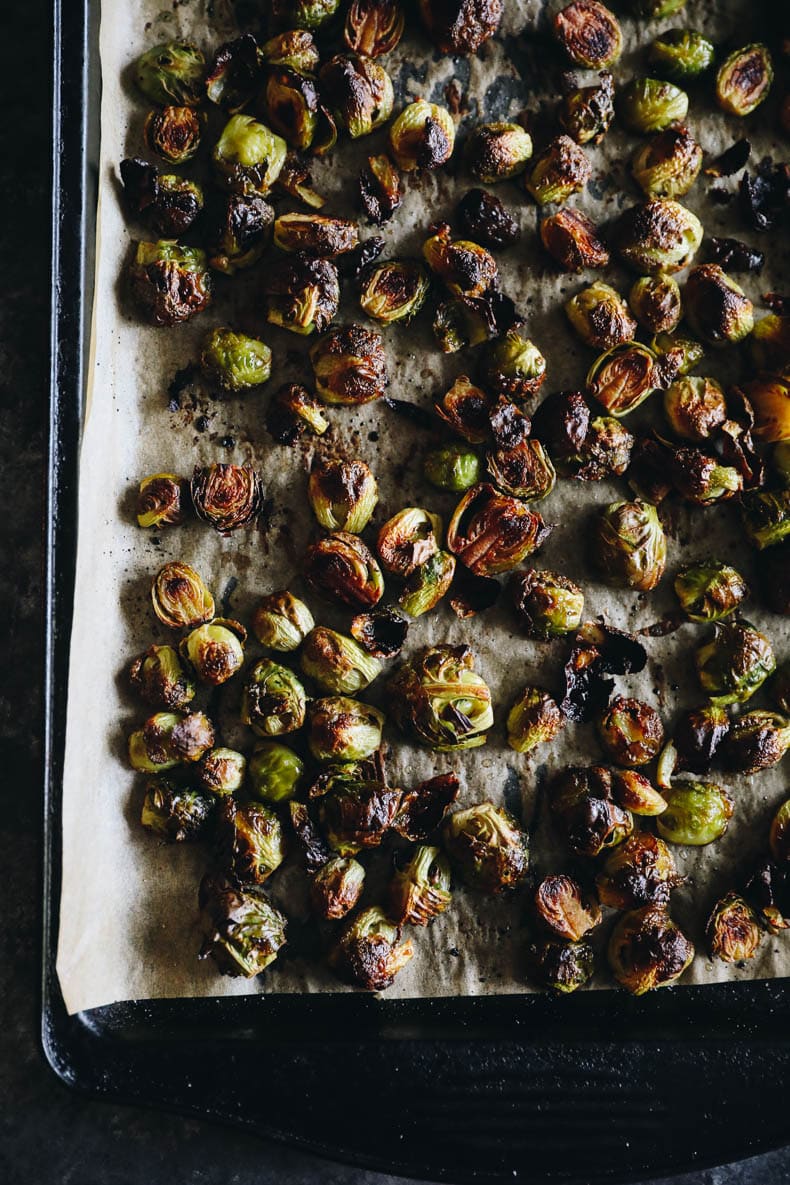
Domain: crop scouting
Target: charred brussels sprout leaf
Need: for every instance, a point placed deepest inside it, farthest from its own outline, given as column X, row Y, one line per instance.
column 235, row 361
column 630, row 547
column 598, row 651
column 342, row 729
column 681, row 55
column 659, row 236
column 160, row 500
column 342, row 568
column 293, row 413
column 159, row 678
column 561, row 906
column 533, row 720
column 420, row 889
column 228, row 497
column 382, row 632
column 651, row 105
column 460, row 26
column 170, row 282
column 350, row 366
column 274, row 772
column 744, row 79
column 336, row 663
column 766, row 517
column 491, row 532
column 716, row 307
column 379, row 187
column 589, row 33
column 465, row 409
column 440, row 700
column 175, row 813
column 172, row 73
column 588, row 111
column 281, row 621
column 337, row 887
column 222, row 771
column 273, row 700
column 630, row 731
column 647, row 950
column 582, row 803
column 601, row 317
column 488, row 847
column 303, row 293
column 548, row 604
column 394, row 290
column 498, row 151
column 359, row 92
column 559, row 172
column 215, row 652
column 733, row 931
column 639, row 872
column 248, row 156
column 240, row 229
column 234, row 74
column 243, row 930
column 484, row 218
column 698, row 735
column 668, row 165
column 769, row 397
column 697, row 813
column 179, row 596
column 756, row 741
column 371, row 951
column 734, row 663
column 427, row 584
column 173, row 133
column 558, row 966
column 710, row 591
column 422, row 136
column 423, row 808
column 572, row 240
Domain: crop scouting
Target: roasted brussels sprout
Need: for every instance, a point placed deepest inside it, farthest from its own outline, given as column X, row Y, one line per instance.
column 533, row 720
column 302, row 14
column 695, row 407
column 656, row 304
column 656, row 10
column 342, row 568
column 709, row 591
column 343, row 494
column 491, row 532
column 734, row 663
column 222, row 771
column 716, row 307
column 463, row 321
column 273, row 701
column 587, row 111
column 770, row 343
column 422, row 136
column 240, row 230
column 769, row 397
column 604, row 452
column 465, row 268
column 274, row 772
column 243, row 930
column 336, row 663
column 697, row 813
column 651, row 105
column 290, row 105
column 228, row 497
column 581, row 801
column 281, row 621
column 234, row 361
column 394, row 290
column 215, row 652
column 172, row 73
column 698, row 735
column 589, row 33
column 382, row 632
column 159, row 678
column 420, row 890
column 525, row 470
column 623, row 377
column 630, row 732
column 647, row 950
column 659, row 236
column 677, row 350
column 460, row 26
column 179, row 596
column 169, row 738
column 562, row 907
column 639, row 872
column 302, row 293
column 601, row 317
column 379, row 188
column 350, row 366
column 427, row 584
column 548, row 604
column 408, row 540
column 452, row 467
column 342, row 729
column 293, row 412
column 160, row 500
column 498, row 151
column 315, row 234
column 486, row 221
column 357, row 814
column 175, row 813
column 559, row 966
column 465, row 408
column 423, row 808
column 234, row 74
column 488, row 847
column 336, row 887
column 630, row 546
column 668, row 165
column 744, row 79
column 170, row 204
column 766, row 517
column 370, row 951
column 572, row 240
column 693, row 474
column 248, row 156
column 681, row 55
column 559, row 172
column 633, row 792
column 250, row 841
column 373, row 27
column 173, row 133
column 439, row 699
column 170, row 282
column 358, row 91
column 756, row 741
column 733, row 930
column 513, row 366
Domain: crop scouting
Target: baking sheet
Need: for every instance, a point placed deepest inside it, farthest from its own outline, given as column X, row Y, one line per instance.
column 129, row 926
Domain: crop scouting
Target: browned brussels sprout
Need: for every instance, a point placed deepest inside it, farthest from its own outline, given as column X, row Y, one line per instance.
column 659, row 236
column 382, row 632
column 243, row 930
column 605, row 451
column 295, row 48
column 315, row 234
column 170, row 204
column 423, row 808
column 698, row 735
column 513, row 366
column 734, row 663
column 302, row 14
column 337, row 663
column 160, row 500
column 548, row 604
column 582, row 803
column 379, row 187
column 630, row 546
column 463, row 321
column 766, row 517
column 559, row 966
column 572, row 240
column 647, row 950
column 303, row 293
column 587, row 111
column 439, row 699
column 358, row 91
column 394, row 290
column 336, row 887
column 589, row 33
column 630, row 732
column 350, row 366
column 420, row 889
column 465, row 408
column 248, row 156
column 342, row 729
column 281, row 621
column 172, row 73
column 677, row 351
column 215, row 652
column 273, row 700
column 465, row 268
column 756, row 741
column 342, row 568
column 633, row 792
column 533, row 720
column 562, row 907
column 651, row 105
column 487, row 846
column 733, row 931
column 623, row 377
column 234, row 74
column 373, row 27
column 681, row 55
column 357, row 814
column 485, row 219
column 640, row 871
column 370, row 951
column 422, row 136
column 222, row 771
column 168, row 739
column 697, row 813
column 525, row 470
column 744, row 79
column 290, row 105
column 498, row 151
column 601, row 317
column 343, row 494
column 250, row 841
column 656, row 304
column 491, row 532
column 710, row 591
column 293, row 412
column 427, row 584
column 173, row 133
column 769, row 397
column 408, row 540
column 460, row 26
column 227, row 497
column 175, row 813
column 239, row 232
column 234, row 361
column 695, row 407
column 668, row 165
column 716, row 307
column 559, row 172
column 170, row 282
column 179, row 596
column 159, row 678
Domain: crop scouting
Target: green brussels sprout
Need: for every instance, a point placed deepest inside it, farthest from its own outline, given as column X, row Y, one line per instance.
column 173, row 133
column 766, row 517
column 420, row 890
column 463, row 321
column 440, row 700
column 513, row 367
column 248, row 156
column 623, row 377
column 215, row 652
column 452, row 467
column 491, row 532
column 733, row 931
column 559, row 966
column 533, row 720
column 744, row 79
column 179, row 596
column 601, row 317
column 349, row 365
column 168, row 739
column 734, row 663
column 572, row 240
column 239, row 233
column 408, row 539
column 630, row 731
column 462, row 26
column 756, row 741
column 582, row 802
column 716, row 307
column 273, row 700
column 562, row 907
column 342, row 729
column 651, row 105
column 370, row 951
column 343, row 494
column 235, row 361
column 358, row 91
column 159, row 678
column 487, row 846
column 559, row 172
column 250, row 841
column 647, row 950
column 274, row 772
column 160, row 501
column 336, row 887
column 589, row 33
column 175, row 813
column 525, row 470
column 342, row 568
column 659, row 236
column 170, row 282
column 548, row 604
column 379, row 189
column 303, row 14
column 630, row 546
column 697, row 813
column 315, row 234
column 302, row 294
column 281, row 621
column 779, row 834
column 295, row 48
column 394, row 290
column 656, row 10
column 695, row 407
column 382, row 632
column 681, row 55
column 172, row 73
column 422, row 136
column 498, row 151
column 227, row 497
column 464, row 267
column 656, row 304
column 682, row 352
column 639, row 872
column 243, row 930
column 769, row 398
column 588, row 111
column 427, row 584
column 709, row 591
column 222, row 771
column 289, row 103
column 634, row 793
column 373, row 27
column 336, row 663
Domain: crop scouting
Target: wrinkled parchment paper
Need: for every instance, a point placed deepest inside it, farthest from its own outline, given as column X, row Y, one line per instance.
column 129, row 925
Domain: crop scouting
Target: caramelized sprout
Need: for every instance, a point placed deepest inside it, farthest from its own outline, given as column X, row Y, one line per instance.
column 379, row 188
column 248, row 156
column 716, row 307
column 647, row 950
column 651, row 105
column 572, row 240
column 179, row 596
column 465, row 409
column 336, row 887
column 228, row 497
column 525, row 470
column 766, row 517
column 548, row 604
column 336, row 663
column 290, row 105
column 422, row 136
column 274, row 772
column 303, row 293
column 357, row 814
column 491, row 532
column 733, row 931
column 756, row 741
column 460, row 26
column 315, row 234
column 534, row 719
column 452, row 467
column 342, row 568
column 295, row 48
column 168, row 739
column 439, row 699
column 222, row 771
column 630, row 732
column 170, row 282
column 697, row 813
column 498, row 151
column 250, row 841
column 160, row 500
column 235, row 361
column 234, row 75
column 175, row 813
column 173, row 133
column 769, row 397
column 243, row 930
column 215, row 652
column 159, row 678
column 698, row 735
column 583, row 805
column 303, row 14
column 427, row 584
column 465, row 268
column 695, row 407
column 343, row 494
column 559, row 172
column 588, row 111
column 240, row 232
column 350, row 366
column 408, row 540
column 640, row 871
column 562, row 907
column 486, row 221
column 659, row 236
column 488, row 847
column 734, row 663
column 172, row 73
column 382, row 632
column 281, row 621
column 656, row 304
column 358, row 91
column 559, row 966
column 744, row 79
column 668, row 165
column 709, row 591
column 342, row 729
column 273, row 700
column 623, row 377
column 677, row 351
column 630, row 545
column 634, row 793
column 589, row 33
column 293, row 412
column 373, row 27
column 601, row 317
column 371, row 951
column 170, row 204
column 513, row 366
column 420, row 890
column 681, row 55
column 394, row 290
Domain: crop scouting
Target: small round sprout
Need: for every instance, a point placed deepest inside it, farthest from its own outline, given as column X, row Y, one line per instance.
column 498, row 151
column 589, row 33
column 668, row 165
column 302, row 293
column 562, row 907
column 513, row 366
column 605, row 451
column 678, row 350
column 173, row 133
column 382, row 632
column 769, row 397
column 733, row 931
column 222, row 771
column 420, row 890
column 240, row 231
column 170, row 204
column 558, row 966
column 159, row 678
column 370, row 951
column 290, row 105
column 634, row 793
column 659, row 236
column 623, row 377
column 647, row 950
column 422, row 136
column 215, row 651
column 698, row 735
column 452, row 467
column 336, row 663
column 350, row 366
column 465, row 408
column 235, row 361
column 744, row 79
column 695, row 407
column 273, row 700
column 342, row 494
column 656, row 304
column 588, row 111
column 651, row 105
column 756, row 741
column 179, row 596
column 639, row 872
column 427, row 584
column 394, row 290
column 766, row 517
column 336, row 887
column 601, row 317
column 572, row 240
column 342, row 568
column 465, row 268
column 315, row 234
column 734, row 663
column 548, row 604
column 175, row 813
column 483, row 217
column 168, row 739
column 440, row 700
column 172, row 73
column 697, row 813
column 281, row 621
column 408, row 540
column 303, row 14
column 716, row 307
column 357, row 814
column 710, row 591
column 234, row 74
column 487, row 846
column 779, row 834
column 248, row 156
column 492, row 533
column 582, row 803
column 525, row 470
column 460, row 26
column 533, row 720
column 250, row 841
column 559, row 172
column 373, row 27
column 170, row 282
column 358, row 91
column 462, row 321
column 227, row 497
column 342, row 729
column 243, row 930
column 630, row 732
column 630, row 546
column 274, row 772
column 295, row 48
column 681, row 55
column 160, row 500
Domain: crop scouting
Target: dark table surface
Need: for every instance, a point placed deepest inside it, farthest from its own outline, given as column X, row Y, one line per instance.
column 48, row 1135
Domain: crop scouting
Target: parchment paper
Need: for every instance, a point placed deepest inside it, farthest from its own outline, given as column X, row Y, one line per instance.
column 129, row 926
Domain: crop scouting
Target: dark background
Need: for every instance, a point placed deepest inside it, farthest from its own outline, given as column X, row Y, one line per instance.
column 48, row 1135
